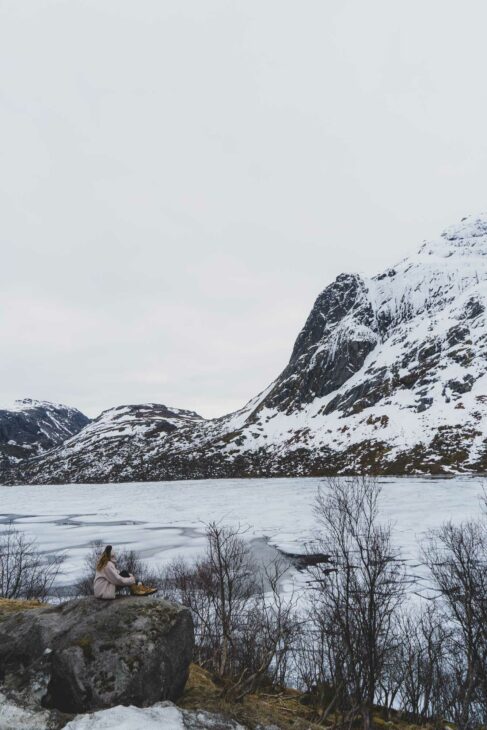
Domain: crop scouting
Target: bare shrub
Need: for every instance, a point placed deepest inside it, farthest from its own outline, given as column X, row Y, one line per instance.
column 24, row 572
column 244, row 626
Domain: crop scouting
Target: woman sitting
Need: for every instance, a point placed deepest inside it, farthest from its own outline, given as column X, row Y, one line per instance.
column 108, row 578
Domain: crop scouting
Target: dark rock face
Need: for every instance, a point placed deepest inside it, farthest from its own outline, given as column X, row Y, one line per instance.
column 474, row 308
column 332, row 346
column 461, row 386
column 89, row 654
column 33, row 427
column 345, row 297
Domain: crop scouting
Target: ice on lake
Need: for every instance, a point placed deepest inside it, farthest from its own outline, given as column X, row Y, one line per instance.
column 164, row 520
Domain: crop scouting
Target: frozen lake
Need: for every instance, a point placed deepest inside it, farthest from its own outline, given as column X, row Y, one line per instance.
column 166, row 519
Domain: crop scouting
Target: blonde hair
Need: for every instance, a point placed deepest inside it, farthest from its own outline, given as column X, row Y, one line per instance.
column 104, row 557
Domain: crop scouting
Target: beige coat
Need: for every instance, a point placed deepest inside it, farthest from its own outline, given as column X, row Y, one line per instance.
column 107, row 579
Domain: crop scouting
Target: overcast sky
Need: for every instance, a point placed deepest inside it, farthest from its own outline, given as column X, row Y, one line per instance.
column 179, row 179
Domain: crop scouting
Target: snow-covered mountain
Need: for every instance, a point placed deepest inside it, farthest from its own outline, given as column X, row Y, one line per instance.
column 31, row 427
column 388, row 375
column 121, row 434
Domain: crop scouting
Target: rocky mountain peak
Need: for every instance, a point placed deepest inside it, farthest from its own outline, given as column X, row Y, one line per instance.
column 469, row 233
column 354, row 315
column 341, row 301
column 466, row 239
column 338, row 335
column 29, row 427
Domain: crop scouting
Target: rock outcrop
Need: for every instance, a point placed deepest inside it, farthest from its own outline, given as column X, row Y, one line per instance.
column 89, row 654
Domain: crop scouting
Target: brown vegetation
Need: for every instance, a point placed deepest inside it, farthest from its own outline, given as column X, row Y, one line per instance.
column 11, row 605
column 281, row 707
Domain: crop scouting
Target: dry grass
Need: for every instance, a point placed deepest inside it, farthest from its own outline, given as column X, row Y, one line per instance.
column 285, row 709
column 9, row 605
column 282, row 709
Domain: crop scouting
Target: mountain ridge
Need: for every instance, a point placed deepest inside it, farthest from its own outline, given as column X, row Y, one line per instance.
column 388, row 375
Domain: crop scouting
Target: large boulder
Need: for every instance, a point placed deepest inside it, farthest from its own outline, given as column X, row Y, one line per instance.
column 89, row 654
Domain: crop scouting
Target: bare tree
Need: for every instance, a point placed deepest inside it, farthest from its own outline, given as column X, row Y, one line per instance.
column 231, row 584
column 420, row 665
column 319, row 659
column 24, row 572
column 358, row 594
column 218, row 588
column 267, row 635
column 456, row 557
column 244, row 626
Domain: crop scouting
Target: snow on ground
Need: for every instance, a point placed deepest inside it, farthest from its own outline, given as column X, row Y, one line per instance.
column 130, row 718
column 164, row 520
column 13, row 717
column 162, row 715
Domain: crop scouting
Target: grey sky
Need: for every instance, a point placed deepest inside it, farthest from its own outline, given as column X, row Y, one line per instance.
column 180, row 179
